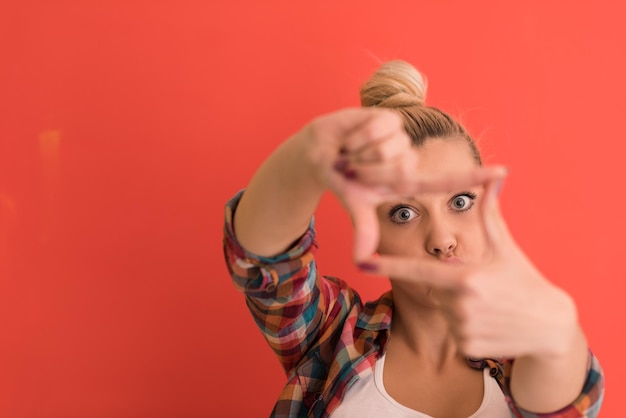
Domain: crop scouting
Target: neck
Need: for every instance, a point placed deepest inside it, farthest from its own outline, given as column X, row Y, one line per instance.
column 422, row 331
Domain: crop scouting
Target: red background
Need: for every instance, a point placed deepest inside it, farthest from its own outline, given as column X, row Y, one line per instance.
column 125, row 127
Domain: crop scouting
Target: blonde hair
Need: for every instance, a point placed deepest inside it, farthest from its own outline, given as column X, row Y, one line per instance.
column 399, row 86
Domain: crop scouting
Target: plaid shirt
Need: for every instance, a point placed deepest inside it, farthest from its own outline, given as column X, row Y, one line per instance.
column 325, row 337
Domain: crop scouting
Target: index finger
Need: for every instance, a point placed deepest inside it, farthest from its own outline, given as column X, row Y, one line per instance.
column 381, row 124
column 408, row 269
column 417, row 183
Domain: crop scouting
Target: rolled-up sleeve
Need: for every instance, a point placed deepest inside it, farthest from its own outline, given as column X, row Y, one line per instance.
column 260, row 276
column 285, row 294
column 586, row 405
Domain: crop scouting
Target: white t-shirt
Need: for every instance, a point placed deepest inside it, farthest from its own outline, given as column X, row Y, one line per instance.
column 367, row 397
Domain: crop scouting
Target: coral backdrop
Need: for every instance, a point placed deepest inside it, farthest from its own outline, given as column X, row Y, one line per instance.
column 126, row 125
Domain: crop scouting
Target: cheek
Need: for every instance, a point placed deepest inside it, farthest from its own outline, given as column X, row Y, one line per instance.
column 473, row 241
column 399, row 240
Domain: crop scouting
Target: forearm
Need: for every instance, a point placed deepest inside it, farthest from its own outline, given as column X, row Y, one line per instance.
column 285, row 286
column 549, row 383
column 277, row 206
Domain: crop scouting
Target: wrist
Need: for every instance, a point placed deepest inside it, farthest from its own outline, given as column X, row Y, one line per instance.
column 300, row 167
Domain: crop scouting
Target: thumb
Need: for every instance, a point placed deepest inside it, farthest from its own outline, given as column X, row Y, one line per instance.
column 366, row 231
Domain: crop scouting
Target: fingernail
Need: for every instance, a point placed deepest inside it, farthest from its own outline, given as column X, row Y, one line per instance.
column 341, row 165
column 371, row 267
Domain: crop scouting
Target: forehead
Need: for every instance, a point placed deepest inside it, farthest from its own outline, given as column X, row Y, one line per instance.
column 438, row 156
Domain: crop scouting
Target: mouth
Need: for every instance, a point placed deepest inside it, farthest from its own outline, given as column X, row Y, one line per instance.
column 454, row 260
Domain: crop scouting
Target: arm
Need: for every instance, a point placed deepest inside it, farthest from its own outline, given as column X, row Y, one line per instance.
column 269, row 241
column 534, row 377
column 586, row 404
column 567, row 379
column 291, row 303
column 283, row 194
column 269, row 246
column 279, row 202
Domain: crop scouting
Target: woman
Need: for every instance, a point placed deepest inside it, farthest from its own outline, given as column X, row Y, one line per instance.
column 470, row 327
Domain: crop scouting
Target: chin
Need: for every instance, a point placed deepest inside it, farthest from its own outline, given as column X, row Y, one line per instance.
column 417, row 293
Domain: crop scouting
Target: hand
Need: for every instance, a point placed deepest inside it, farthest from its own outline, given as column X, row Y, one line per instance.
column 365, row 157
column 501, row 307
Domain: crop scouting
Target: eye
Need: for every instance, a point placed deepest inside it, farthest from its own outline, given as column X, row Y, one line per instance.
column 402, row 214
column 463, row 201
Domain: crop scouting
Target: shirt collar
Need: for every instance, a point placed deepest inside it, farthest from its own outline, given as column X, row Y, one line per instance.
column 376, row 315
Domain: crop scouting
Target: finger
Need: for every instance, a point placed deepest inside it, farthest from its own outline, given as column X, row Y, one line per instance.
column 366, row 230
column 386, row 149
column 396, row 174
column 334, row 128
column 345, row 121
column 453, row 181
column 408, row 269
column 494, row 225
column 361, row 203
column 402, row 176
column 381, row 124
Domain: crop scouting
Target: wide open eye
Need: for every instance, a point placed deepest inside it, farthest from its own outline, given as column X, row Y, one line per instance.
column 402, row 214
column 463, row 202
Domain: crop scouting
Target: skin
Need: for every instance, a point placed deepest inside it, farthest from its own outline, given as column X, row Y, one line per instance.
column 435, row 226
column 423, row 357
column 477, row 306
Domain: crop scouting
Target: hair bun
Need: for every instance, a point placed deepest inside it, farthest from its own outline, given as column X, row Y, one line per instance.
column 395, row 84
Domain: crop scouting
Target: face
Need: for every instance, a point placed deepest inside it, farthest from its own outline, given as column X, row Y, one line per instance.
column 437, row 226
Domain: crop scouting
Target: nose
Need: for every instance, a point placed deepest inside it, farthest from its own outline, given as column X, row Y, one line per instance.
column 441, row 240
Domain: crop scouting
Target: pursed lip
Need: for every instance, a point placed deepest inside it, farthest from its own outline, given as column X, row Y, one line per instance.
column 451, row 260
